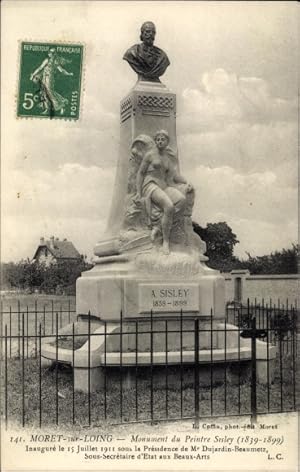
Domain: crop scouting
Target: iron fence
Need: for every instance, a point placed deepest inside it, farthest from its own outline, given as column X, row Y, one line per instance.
column 281, row 320
column 152, row 369
column 36, row 314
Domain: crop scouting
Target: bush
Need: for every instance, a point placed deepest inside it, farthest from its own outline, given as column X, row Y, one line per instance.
column 59, row 278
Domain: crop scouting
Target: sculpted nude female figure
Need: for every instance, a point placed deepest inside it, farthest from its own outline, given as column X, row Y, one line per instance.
column 157, row 181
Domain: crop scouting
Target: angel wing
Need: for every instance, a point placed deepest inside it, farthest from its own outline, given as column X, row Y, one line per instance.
column 139, row 147
column 173, row 156
column 141, row 144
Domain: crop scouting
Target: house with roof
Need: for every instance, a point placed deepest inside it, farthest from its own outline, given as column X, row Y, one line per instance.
column 54, row 250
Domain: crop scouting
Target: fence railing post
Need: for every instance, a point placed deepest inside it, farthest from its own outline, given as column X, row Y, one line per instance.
column 166, row 369
column 151, row 367
column 19, row 329
column 23, row 370
column 27, row 331
column 56, row 369
column 89, row 368
column 211, row 361
column 10, row 333
column 268, row 358
column 2, row 320
column 253, row 371
column 40, row 375
column 105, row 370
column 6, row 378
column 73, row 373
column 35, row 327
column 181, row 364
column 294, row 354
column 44, row 319
column 121, row 365
column 136, row 371
column 196, row 344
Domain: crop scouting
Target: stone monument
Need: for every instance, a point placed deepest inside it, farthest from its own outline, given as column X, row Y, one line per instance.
column 149, row 261
column 149, row 247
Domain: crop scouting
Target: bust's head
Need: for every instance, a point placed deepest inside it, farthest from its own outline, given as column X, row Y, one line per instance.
column 148, row 31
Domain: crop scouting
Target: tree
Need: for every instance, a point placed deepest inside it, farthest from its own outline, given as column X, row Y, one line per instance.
column 220, row 241
column 279, row 262
column 27, row 275
column 61, row 277
column 22, row 275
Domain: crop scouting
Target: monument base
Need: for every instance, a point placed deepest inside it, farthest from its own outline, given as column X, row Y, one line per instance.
column 155, row 344
column 163, row 285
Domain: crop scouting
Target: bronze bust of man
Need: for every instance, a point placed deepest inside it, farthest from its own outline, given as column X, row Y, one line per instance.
column 147, row 60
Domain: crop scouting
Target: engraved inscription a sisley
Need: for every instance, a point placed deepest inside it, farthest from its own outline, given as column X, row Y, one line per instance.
column 168, row 297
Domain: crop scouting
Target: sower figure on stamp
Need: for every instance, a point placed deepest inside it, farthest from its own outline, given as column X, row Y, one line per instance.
column 160, row 186
column 44, row 74
column 147, row 60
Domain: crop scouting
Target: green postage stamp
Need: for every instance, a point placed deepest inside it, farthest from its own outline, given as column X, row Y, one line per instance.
column 50, row 80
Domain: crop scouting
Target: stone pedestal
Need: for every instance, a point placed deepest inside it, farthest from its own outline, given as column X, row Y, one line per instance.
column 140, row 279
column 118, row 285
column 149, row 107
column 88, row 380
column 135, row 279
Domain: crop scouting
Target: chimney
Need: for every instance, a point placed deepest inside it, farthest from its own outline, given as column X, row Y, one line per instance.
column 52, row 242
column 42, row 241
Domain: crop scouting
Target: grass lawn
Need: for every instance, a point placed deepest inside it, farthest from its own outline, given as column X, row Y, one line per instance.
column 115, row 404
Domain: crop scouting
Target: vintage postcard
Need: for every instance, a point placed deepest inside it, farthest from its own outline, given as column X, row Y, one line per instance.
column 149, row 245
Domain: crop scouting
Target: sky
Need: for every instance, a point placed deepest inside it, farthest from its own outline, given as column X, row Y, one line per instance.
column 234, row 71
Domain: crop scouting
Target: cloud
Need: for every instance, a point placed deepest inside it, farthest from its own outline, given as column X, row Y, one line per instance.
column 92, row 141
column 262, row 214
column 74, row 202
column 16, row 245
column 237, row 145
column 71, row 191
column 247, row 148
column 251, row 196
column 260, row 238
column 223, row 98
column 71, row 202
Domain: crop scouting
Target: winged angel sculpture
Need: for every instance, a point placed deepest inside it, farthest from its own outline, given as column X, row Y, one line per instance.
column 160, row 200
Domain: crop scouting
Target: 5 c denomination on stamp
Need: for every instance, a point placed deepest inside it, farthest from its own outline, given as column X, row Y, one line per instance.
column 50, row 80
